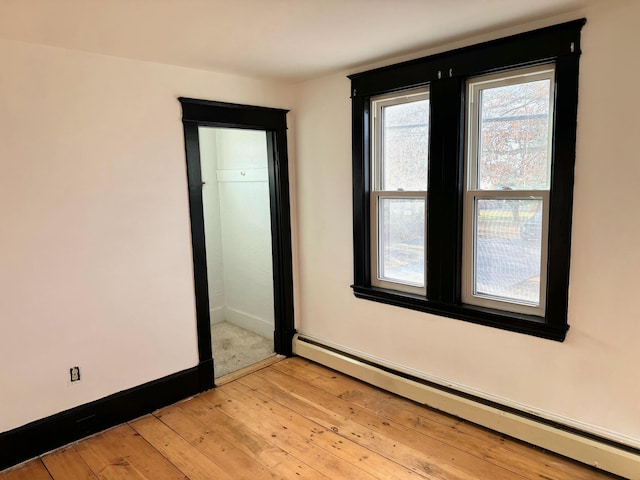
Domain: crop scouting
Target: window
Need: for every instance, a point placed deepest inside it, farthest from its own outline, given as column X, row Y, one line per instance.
column 400, row 145
column 509, row 125
column 463, row 179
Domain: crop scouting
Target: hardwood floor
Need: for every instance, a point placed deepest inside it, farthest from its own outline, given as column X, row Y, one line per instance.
column 296, row 419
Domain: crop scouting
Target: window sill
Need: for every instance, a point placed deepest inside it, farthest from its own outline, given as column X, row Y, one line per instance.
column 514, row 322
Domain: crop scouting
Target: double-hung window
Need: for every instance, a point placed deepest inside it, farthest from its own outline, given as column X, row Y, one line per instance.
column 400, row 139
column 463, row 178
column 506, row 202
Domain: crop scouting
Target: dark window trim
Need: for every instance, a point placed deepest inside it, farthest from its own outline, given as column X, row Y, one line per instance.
column 446, row 74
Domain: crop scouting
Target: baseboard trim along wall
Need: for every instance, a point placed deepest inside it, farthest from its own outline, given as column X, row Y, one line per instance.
column 257, row 325
column 603, row 453
column 254, row 324
column 49, row 433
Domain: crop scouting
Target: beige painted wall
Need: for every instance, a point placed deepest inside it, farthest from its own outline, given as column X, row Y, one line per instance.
column 95, row 248
column 590, row 380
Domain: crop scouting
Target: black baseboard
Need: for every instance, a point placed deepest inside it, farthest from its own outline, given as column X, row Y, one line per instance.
column 53, row 432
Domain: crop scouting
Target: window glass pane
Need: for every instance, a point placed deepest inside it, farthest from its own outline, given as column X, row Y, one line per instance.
column 401, row 240
column 513, row 143
column 405, row 146
column 507, row 248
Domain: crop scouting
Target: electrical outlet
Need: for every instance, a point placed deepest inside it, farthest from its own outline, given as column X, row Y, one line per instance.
column 74, row 373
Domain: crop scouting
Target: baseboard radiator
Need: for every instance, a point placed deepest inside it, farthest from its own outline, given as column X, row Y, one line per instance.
column 588, row 448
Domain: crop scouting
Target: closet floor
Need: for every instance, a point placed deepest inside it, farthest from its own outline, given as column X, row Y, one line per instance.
column 235, row 348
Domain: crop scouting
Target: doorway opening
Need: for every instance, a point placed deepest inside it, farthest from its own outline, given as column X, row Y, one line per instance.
column 235, row 198
column 241, row 233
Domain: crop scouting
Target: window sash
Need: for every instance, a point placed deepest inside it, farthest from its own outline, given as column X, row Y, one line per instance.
column 377, row 139
column 475, row 85
column 470, row 252
column 377, row 279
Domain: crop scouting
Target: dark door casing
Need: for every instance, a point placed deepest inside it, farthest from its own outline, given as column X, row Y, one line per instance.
column 196, row 113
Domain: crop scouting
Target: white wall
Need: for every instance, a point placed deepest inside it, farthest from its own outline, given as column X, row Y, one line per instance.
column 238, row 227
column 95, row 248
column 213, row 232
column 590, row 380
column 246, row 229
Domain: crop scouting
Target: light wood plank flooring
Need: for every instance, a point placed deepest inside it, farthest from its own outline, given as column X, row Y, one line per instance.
column 296, row 419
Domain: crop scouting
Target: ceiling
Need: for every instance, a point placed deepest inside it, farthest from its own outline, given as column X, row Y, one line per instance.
column 286, row 40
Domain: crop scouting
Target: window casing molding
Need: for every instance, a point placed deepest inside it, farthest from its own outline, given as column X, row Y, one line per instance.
column 446, row 76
